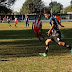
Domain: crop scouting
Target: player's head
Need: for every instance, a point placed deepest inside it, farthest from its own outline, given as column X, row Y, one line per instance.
column 47, row 14
column 14, row 16
column 25, row 15
column 7, row 16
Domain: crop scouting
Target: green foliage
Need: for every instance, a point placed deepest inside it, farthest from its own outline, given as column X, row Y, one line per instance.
column 7, row 2
column 68, row 9
column 31, row 6
column 34, row 6
column 5, row 10
column 56, row 7
column 4, row 6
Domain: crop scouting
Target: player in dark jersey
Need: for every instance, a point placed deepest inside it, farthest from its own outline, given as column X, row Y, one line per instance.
column 27, row 20
column 8, row 21
column 54, row 34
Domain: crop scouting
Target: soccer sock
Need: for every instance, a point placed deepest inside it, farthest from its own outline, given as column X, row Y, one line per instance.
column 15, row 25
column 68, row 46
column 38, row 37
column 28, row 25
column 47, row 48
column 9, row 25
column 41, row 35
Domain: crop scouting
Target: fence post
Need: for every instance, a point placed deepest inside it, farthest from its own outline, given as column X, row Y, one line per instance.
column 22, row 18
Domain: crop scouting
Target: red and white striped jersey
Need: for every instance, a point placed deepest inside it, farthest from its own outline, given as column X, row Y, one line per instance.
column 16, row 19
column 37, row 23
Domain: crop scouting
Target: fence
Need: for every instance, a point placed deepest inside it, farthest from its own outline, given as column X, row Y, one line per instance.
column 64, row 17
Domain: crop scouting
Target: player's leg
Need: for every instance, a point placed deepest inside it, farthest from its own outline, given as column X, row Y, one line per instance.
column 60, row 42
column 15, row 25
column 57, row 38
column 47, row 42
column 9, row 24
column 39, row 32
column 3, row 21
column 26, row 23
column 41, row 35
column 64, row 44
column 38, row 36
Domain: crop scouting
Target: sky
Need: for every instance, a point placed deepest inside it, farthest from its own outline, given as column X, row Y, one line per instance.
column 18, row 4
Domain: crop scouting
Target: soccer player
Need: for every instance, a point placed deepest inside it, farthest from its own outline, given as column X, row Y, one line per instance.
column 58, row 20
column 3, row 19
column 37, row 28
column 27, row 20
column 16, row 21
column 8, row 21
column 54, row 34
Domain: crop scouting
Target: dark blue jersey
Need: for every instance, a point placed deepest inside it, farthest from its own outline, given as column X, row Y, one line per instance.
column 26, row 18
column 54, row 21
column 8, row 19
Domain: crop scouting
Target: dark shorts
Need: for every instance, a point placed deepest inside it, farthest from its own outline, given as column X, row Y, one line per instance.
column 56, row 37
column 27, row 22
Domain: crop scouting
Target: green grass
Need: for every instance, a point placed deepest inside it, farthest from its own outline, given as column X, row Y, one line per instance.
column 19, row 50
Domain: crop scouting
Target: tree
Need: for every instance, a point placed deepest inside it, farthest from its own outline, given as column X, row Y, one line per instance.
column 5, row 10
column 7, row 2
column 5, row 6
column 56, row 7
column 71, row 3
column 32, row 6
column 68, row 9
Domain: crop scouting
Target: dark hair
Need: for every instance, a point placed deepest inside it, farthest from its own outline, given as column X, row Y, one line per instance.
column 48, row 12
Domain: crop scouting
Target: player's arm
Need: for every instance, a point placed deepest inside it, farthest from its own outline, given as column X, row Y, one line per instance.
column 59, row 22
column 40, row 26
column 61, row 25
column 9, row 19
column 49, row 32
column 28, row 19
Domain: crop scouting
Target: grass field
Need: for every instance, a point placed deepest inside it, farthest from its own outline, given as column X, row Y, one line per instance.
column 19, row 50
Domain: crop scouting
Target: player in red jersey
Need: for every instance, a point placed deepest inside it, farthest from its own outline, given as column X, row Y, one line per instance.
column 3, row 20
column 16, row 21
column 58, row 20
column 37, row 28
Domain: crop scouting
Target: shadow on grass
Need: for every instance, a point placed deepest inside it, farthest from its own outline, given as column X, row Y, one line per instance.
column 17, row 34
column 28, row 48
column 23, row 48
column 28, row 34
